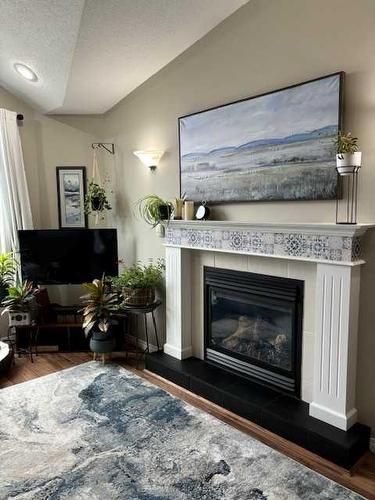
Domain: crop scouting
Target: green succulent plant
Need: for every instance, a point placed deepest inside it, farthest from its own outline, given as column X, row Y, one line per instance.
column 19, row 298
column 96, row 199
column 346, row 143
column 154, row 210
column 140, row 276
column 100, row 304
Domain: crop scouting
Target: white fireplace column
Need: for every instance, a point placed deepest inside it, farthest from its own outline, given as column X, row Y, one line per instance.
column 178, row 302
column 336, row 323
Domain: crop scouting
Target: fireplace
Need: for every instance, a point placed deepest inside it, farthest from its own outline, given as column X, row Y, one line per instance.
column 253, row 326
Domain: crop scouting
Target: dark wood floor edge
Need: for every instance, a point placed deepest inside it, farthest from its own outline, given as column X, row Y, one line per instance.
column 291, row 450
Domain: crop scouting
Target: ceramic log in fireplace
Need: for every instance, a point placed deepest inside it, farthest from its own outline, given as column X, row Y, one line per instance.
column 253, row 326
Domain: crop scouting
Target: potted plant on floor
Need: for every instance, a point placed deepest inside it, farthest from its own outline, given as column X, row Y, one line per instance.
column 138, row 283
column 348, row 157
column 8, row 269
column 155, row 211
column 19, row 303
column 100, row 305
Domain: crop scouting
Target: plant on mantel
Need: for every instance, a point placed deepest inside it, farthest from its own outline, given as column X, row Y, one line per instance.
column 155, row 211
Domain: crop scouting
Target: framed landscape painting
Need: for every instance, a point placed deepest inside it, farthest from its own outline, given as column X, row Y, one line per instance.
column 71, row 191
column 276, row 146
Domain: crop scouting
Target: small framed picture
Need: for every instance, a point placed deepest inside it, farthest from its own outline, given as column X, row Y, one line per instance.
column 71, row 191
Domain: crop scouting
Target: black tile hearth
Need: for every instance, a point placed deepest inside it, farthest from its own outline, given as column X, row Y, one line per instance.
column 284, row 415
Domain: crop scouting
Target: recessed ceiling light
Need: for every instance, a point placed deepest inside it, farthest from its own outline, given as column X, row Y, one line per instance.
column 26, row 72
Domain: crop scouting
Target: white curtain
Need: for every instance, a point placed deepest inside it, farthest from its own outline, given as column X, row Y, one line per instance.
column 15, row 209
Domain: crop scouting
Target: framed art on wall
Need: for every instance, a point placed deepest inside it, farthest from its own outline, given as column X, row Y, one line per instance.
column 275, row 146
column 71, row 191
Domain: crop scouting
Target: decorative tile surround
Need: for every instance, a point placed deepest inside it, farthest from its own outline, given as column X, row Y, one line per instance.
column 317, row 242
column 336, row 251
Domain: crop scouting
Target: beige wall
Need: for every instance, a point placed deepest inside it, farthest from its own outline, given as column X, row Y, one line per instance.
column 48, row 142
column 265, row 45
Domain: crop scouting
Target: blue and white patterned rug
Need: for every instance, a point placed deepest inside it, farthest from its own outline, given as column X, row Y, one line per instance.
column 101, row 432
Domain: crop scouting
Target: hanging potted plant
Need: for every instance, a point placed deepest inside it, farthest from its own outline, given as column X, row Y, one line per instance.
column 348, row 157
column 8, row 269
column 96, row 199
column 137, row 283
column 19, row 303
column 155, row 211
column 100, row 305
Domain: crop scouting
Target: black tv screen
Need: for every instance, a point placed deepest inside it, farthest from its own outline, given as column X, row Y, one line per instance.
column 67, row 256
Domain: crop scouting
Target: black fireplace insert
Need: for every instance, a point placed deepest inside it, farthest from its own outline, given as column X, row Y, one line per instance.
column 253, row 326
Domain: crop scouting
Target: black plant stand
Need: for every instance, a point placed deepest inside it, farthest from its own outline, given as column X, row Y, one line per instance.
column 14, row 338
column 138, row 312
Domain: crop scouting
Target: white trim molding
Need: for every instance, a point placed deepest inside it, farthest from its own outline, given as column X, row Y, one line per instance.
column 336, row 251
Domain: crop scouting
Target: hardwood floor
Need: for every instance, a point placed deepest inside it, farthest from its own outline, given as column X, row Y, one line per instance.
column 361, row 478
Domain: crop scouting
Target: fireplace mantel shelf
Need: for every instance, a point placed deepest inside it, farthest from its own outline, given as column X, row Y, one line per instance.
column 318, row 242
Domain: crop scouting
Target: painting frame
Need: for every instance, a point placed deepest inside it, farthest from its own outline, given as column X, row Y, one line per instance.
column 63, row 196
column 340, row 111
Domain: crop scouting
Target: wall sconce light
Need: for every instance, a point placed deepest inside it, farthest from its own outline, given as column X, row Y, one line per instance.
column 149, row 158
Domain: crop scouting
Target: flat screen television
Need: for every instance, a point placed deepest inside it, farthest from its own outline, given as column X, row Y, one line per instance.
column 67, row 256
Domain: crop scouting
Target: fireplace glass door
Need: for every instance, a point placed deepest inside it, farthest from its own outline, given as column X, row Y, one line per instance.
column 253, row 325
column 257, row 330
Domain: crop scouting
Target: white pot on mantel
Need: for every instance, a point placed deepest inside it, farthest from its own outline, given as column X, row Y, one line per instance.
column 160, row 230
column 348, row 163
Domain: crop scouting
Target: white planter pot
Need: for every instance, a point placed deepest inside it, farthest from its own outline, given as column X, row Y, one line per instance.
column 19, row 319
column 347, row 163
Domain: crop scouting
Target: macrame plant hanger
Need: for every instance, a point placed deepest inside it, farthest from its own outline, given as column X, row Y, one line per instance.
column 96, row 178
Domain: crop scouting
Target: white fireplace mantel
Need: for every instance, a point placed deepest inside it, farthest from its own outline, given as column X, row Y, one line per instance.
column 336, row 251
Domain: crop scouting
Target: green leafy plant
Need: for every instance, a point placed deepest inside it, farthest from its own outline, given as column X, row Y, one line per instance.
column 19, row 298
column 8, row 269
column 154, row 210
column 140, row 276
column 100, row 304
column 346, row 143
column 96, row 199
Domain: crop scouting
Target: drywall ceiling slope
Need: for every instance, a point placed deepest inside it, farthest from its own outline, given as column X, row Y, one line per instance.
column 41, row 34
column 91, row 54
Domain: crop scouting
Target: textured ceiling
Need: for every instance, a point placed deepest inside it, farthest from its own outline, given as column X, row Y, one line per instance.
column 90, row 54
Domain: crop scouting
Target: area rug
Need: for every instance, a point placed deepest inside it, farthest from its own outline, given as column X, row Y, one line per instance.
column 101, row 432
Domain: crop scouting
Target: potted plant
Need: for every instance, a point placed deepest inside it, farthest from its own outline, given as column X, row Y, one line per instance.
column 348, row 157
column 8, row 269
column 18, row 304
column 100, row 305
column 138, row 283
column 96, row 199
column 155, row 211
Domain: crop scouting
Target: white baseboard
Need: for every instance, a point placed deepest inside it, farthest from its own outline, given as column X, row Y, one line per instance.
column 372, row 444
column 141, row 343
